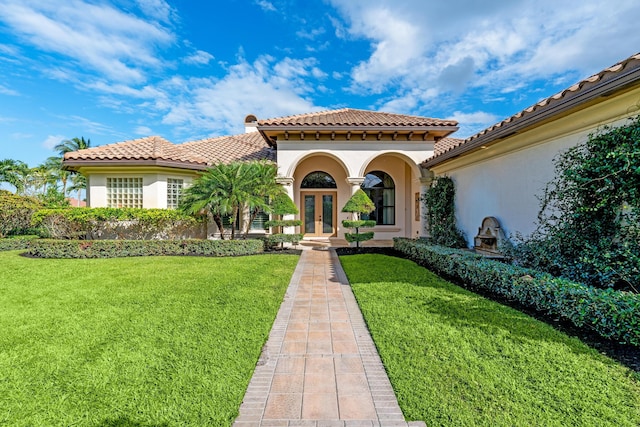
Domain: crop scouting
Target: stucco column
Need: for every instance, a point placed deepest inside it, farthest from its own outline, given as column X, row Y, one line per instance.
column 425, row 183
column 287, row 183
column 355, row 182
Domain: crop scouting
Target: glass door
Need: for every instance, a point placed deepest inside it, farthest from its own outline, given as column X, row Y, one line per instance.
column 319, row 213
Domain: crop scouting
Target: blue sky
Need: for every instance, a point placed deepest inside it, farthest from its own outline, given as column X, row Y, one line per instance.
column 114, row 70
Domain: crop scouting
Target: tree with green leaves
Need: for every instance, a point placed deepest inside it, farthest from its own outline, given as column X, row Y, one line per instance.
column 68, row 146
column 589, row 220
column 282, row 205
column 73, row 144
column 261, row 180
column 359, row 204
column 13, row 172
column 225, row 190
column 440, row 213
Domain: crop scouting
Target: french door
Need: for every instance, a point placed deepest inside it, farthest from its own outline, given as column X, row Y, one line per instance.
column 319, row 213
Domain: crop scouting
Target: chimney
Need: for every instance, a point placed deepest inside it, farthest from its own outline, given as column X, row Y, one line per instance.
column 250, row 123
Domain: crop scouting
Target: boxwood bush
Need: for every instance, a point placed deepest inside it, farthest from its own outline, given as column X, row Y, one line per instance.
column 612, row 314
column 15, row 243
column 274, row 240
column 45, row 248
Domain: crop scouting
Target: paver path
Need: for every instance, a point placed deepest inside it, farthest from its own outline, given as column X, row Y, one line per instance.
column 320, row 366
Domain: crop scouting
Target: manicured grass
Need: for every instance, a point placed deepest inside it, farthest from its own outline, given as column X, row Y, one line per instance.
column 457, row 359
column 158, row 341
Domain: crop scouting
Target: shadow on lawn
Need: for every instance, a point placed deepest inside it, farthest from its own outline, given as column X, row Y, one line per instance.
column 458, row 305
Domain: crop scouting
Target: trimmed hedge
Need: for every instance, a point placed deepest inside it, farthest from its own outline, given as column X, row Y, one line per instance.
column 273, row 240
column 15, row 243
column 128, row 248
column 612, row 314
column 117, row 223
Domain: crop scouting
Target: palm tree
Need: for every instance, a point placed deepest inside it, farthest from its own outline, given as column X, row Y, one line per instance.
column 54, row 166
column 78, row 183
column 263, row 188
column 68, row 146
column 73, row 144
column 228, row 189
column 13, row 172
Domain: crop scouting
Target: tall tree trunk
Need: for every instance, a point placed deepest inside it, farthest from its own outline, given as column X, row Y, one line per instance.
column 218, row 220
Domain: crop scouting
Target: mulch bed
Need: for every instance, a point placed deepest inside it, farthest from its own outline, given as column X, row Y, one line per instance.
column 627, row 355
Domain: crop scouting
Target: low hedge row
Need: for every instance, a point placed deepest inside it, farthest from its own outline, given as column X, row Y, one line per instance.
column 128, row 248
column 274, row 240
column 612, row 314
column 15, row 243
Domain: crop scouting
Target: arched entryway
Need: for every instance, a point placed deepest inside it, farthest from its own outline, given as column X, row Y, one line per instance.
column 318, row 194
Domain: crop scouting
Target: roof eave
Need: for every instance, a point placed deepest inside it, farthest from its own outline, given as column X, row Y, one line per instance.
column 74, row 165
column 602, row 88
column 357, row 128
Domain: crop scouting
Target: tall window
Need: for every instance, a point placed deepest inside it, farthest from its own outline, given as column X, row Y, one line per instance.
column 174, row 192
column 381, row 189
column 124, row 192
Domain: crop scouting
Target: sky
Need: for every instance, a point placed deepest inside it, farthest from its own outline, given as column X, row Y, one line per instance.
column 113, row 70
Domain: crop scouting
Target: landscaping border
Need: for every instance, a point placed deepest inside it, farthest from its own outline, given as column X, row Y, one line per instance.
column 612, row 314
column 46, row 248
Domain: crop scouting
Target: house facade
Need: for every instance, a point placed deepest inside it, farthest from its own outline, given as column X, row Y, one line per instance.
column 324, row 157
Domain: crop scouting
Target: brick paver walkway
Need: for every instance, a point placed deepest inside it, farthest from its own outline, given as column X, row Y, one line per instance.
column 320, row 366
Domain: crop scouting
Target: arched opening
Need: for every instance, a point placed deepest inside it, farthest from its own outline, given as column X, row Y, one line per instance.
column 318, row 194
column 381, row 189
column 318, row 179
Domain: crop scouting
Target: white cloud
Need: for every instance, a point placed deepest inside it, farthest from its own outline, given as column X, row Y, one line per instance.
column 157, row 9
column 52, row 140
column 7, row 91
column 143, row 130
column 266, row 88
column 99, row 37
column 200, row 57
column 471, row 123
column 459, row 45
column 266, row 5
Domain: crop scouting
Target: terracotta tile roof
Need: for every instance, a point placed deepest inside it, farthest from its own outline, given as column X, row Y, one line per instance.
column 225, row 149
column 198, row 154
column 445, row 144
column 610, row 79
column 353, row 117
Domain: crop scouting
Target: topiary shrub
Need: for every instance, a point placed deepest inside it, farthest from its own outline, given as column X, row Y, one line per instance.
column 282, row 204
column 358, row 204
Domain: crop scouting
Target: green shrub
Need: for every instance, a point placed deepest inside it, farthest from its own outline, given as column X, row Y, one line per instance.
column 612, row 314
column 15, row 243
column 16, row 212
column 589, row 218
column 279, row 239
column 128, row 248
column 120, row 223
column 439, row 202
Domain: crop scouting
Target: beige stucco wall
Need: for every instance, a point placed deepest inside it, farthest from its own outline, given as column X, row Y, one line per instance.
column 344, row 160
column 504, row 179
column 154, row 182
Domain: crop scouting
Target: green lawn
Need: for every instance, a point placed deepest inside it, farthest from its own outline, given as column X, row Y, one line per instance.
column 133, row 341
column 457, row 359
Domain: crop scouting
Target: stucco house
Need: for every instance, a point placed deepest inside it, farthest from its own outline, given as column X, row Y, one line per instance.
column 323, row 157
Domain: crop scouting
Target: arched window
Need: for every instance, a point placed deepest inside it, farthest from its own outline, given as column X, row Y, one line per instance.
column 318, row 179
column 381, row 189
